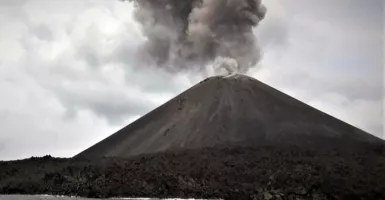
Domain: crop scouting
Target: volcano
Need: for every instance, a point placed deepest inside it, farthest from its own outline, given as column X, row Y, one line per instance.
column 221, row 110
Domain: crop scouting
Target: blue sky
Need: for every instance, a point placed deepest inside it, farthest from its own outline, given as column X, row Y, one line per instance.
column 67, row 69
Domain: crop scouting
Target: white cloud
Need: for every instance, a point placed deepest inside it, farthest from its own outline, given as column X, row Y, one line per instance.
column 68, row 69
column 331, row 52
column 67, row 73
column 367, row 114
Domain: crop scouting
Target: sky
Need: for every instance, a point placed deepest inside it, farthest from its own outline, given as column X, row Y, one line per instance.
column 68, row 78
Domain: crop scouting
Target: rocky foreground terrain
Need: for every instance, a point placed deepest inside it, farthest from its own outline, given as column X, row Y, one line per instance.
column 265, row 172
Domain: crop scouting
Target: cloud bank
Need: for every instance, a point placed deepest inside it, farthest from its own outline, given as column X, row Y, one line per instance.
column 68, row 69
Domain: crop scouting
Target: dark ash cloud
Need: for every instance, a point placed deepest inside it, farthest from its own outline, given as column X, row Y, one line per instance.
column 189, row 34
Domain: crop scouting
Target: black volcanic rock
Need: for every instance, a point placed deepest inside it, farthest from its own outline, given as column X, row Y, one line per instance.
column 225, row 111
column 265, row 172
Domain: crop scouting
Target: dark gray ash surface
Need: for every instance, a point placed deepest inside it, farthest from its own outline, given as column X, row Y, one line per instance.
column 225, row 110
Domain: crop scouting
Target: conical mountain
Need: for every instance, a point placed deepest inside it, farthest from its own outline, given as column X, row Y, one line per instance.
column 222, row 111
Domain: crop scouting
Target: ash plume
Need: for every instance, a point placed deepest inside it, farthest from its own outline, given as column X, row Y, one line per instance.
column 189, row 34
column 225, row 66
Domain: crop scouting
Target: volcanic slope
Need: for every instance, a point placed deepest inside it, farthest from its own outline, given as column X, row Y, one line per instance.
column 220, row 110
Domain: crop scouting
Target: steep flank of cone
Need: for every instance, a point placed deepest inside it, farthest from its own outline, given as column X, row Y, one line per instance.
column 222, row 111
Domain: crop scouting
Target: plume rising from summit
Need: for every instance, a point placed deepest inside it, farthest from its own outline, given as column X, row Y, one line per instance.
column 189, row 34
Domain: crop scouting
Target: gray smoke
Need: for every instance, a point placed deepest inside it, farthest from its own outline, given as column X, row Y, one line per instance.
column 185, row 34
column 225, row 66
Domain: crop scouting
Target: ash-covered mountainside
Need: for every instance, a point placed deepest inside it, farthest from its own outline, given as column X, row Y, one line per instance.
column 230, row 110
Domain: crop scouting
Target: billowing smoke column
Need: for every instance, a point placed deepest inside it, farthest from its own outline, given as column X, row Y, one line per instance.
column 225, row 65
column 185, row 34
